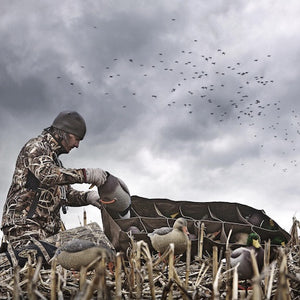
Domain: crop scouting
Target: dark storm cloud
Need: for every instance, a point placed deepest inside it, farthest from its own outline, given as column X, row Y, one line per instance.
column 182, row 99
column 23, row 97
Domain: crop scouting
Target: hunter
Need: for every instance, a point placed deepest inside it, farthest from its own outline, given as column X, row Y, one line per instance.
column 41, row 186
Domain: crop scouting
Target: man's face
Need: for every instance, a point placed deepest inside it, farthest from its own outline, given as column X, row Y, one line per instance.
column 70, row 142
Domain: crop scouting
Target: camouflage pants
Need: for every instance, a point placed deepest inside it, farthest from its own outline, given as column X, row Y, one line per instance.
column 20, row 236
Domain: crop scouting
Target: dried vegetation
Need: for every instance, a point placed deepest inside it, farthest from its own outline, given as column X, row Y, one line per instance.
column 139, row 274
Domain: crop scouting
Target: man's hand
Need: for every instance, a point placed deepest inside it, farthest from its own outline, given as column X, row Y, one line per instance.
column 94, row 199
column 95, row 176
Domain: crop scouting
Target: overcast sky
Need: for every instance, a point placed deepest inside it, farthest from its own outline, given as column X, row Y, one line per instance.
column 186, row 100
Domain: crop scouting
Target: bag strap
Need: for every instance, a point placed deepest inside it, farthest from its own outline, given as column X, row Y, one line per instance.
column 33, row 184
column 34, row 204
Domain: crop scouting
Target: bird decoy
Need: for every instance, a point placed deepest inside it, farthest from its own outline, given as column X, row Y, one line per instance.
column 269, row 224
column 278, row 240
column 79, row 253
column 115, row 196
column 242, row 257
column 162, row 237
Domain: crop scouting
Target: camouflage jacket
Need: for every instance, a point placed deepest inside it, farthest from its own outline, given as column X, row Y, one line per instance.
column 39, row 173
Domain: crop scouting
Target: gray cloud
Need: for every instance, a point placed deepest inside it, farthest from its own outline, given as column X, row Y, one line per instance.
column 185, row 100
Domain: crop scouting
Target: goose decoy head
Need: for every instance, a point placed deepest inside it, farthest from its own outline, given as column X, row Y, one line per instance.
column 115, row 196
column 181, row 224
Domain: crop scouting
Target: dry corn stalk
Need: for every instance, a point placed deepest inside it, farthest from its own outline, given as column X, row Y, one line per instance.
column 82, row 280
column 266, row 262
column 269, row 291
column 138, row 268
column 215, row 261
column 235, row 284
column 148, row 257
column 216, row 284
column 118, row 276
column 188, row 262
column 201, row 275
column 171, row 269
column 256, row 279
column 227, row 257
column 200, row 240
column 282, row 291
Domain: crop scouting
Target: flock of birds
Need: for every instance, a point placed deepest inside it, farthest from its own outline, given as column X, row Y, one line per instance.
column 211, row 86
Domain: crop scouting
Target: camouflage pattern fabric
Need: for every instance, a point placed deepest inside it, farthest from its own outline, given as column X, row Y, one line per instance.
column 91, row 232
column 39, row 173
column 5, row 263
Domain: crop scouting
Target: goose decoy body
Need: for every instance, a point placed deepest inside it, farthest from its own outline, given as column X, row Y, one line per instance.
column 162, row 237
column 242, row 257
column 115, row 196
column 79, row 253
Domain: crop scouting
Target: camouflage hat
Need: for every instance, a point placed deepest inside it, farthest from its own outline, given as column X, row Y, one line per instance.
column 71, row 122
